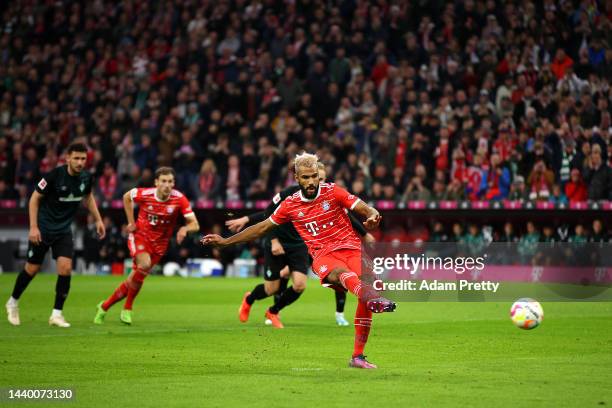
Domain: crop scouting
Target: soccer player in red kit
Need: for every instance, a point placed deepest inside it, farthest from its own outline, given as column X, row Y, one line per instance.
column 149, row 236
column 318, row 214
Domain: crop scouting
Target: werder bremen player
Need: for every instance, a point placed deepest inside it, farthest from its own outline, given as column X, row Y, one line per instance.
column 52, row 209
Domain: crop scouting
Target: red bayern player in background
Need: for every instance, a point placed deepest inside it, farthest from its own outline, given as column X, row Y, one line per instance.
column 318, row 214
column 150, row 235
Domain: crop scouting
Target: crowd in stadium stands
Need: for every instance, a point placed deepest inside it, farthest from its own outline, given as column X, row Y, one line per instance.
column 113, row 249
column 475, row 100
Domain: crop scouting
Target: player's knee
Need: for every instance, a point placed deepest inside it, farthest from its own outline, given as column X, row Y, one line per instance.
column 144, row 265
column 64, row 266
column 32, row 269
column 299, row 287
column 271, row 287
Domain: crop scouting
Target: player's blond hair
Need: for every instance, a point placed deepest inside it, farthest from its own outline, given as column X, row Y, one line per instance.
column 307, row 160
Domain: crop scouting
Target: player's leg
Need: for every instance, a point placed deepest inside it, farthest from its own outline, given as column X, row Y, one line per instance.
column 347, row 273
column 122, row 290
column 63, row 252
column 290, row 295
column 36, row 255
column 118, row 294
column 261, row 291
column 297, row 261
column 285, row 275
column 143, row 262
column 62, row 287
column 340, row 302
column 274, row 264
column 363, row 323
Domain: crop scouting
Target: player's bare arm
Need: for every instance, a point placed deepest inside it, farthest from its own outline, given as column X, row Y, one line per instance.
column 93, row 209
column 33, row 206
column 191, row 225
column 128, row 207
column 371, row 215
column 249, row 234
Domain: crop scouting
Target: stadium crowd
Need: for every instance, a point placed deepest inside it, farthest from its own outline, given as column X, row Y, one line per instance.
column 476, row 100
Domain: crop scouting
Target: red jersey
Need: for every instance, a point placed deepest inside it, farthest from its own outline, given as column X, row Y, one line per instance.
column 156, row 218
column 322, row 222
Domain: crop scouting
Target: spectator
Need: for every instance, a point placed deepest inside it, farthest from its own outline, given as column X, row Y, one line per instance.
column 598, row 175
column 598, row 234
column 560, row 64
column 518, row 190
column 508, row 234
column 416, row 189
column 557, row 197
column 234, row 185
column 107, row 183
column 6, row 191
column 498, row 179
column 540, row 182
column 474, row 240
column 576, row 189
column 455, row 191
column 579, row 236
column 528, row 243
column 432, row 90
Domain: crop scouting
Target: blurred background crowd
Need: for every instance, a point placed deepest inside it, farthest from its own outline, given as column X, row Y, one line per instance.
column 475, row 100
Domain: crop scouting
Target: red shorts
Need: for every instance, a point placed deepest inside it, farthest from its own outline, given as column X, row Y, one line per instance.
column 138, row 244
column 349, row 259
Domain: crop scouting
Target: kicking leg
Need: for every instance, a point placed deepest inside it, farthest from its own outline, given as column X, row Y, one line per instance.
column 349, row 280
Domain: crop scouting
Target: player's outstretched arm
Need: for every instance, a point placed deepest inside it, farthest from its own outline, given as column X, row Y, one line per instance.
column 249, row 234
column 93, row 209
column 371, row 215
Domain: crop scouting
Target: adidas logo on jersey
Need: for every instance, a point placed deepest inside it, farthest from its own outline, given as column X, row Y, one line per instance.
column 323, row 268
column 300, row 214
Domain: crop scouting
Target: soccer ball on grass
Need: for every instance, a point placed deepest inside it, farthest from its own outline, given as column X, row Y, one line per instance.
column 526, row 313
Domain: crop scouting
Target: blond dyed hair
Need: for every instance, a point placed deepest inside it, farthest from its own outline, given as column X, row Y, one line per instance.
column 307, row 160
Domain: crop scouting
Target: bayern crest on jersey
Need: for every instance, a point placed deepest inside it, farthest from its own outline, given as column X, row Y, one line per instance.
column 325, row 206
column 170, row 209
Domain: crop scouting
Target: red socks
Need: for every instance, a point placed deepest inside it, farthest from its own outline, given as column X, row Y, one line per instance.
column 119, row 294
column 126, row 289
column 351, row 281
column 134, row 288
column 363, row 322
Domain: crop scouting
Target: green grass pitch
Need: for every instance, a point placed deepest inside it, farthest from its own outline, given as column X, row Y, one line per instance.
column 187, row 348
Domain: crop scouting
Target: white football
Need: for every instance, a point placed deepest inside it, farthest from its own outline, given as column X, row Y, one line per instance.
column 526, row 313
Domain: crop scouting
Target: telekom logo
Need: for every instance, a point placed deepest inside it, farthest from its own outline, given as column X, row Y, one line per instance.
column 312, row 227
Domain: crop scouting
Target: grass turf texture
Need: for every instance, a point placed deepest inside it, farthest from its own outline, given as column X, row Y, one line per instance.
column 187, row 348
